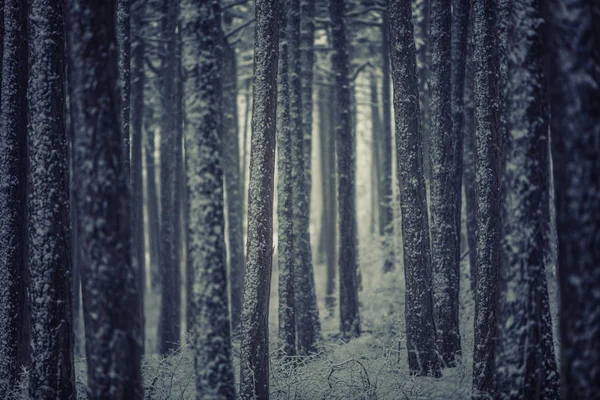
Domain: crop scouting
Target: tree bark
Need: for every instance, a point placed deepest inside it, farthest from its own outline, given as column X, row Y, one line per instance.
column 525, row 360
column 211, row 332
column 420, row 330
column 169, row 325
column 487, row 95
column 124, row 43
column 254, row 357
column 421, row 33
column 444, row 198
column 233, row 185
column 307, row 60
column 377, row 212
column 111, row 311
column 13, row 186
column 348, row 264
column 285, row 196
column 573, row 79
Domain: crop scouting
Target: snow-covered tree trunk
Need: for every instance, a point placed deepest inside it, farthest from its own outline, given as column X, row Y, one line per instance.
column 387, row 201
column 307, row 61
column 487, row 94
column 169, row 325
column 52, row 371
column 308, row 327
column 445, row 226
column 211, row 332
column 254, row 352
column 525, row 361
column 285, row 201
column 573, row 79
column 111, row 310
column 137, row 119
column 233, row 184
column 420, row 331
column 348, row 253
column 124, row 43
column 13, row 171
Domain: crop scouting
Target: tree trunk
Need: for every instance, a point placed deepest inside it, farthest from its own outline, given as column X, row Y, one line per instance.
column 211, row 332
column 348, row 264
column 573, row 78
column 169, row 325
column 285, row 200
column 376, row 164
column 111, row 311
column 254, row 353
column 445, row 226
column 307, row 60
column 137, row 120
column 332, row 235
column 421, row 34
column 124, row 43
column 487, row 167
column 52, row 371
column 13, row 186
column 525, row 361
column 308, row 327
column 233, row 185
column 387, row 203
column 152, row 204
column 420, row 331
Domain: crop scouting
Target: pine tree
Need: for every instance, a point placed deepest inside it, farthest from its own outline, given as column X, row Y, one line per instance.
column 348, row 264
column 111, row 311
column 307, row 61
column 573, row 35
column 525, row 362
column 285, row 199
column 420, row 331
column 487, row 168
column 124, row 43
column 211, row 334
column 254, row 353
column 13, row 170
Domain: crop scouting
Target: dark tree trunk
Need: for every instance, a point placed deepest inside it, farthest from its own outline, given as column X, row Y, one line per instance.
column 169, row 325
column 421, row 34
column 285, row 200
column 137, row 121
column 525, row 360
column 211, row 332
column 233, row 185
column 13, row 170
column 52, row 371
column 348, row 254
column 254, row 353
column 387, row 204
column 152, row 204
column 420, row 330
column 573, row 77
column 307, row 60
column 445, row 225
column 469, row 158
column 111, row 311
column 308, row 327
column 487, row 95
column 124, row 43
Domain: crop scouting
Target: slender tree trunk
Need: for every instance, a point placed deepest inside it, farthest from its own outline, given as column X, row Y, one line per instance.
column 348, row 264
column 420, row 331
column 573, row 78
column 308, row 326
column 137, row 123
column 323, row 113
column 113, row 350
column 169, row 325
column 254, row 357
column 13, row 171
column 378, row 212
column 332, row 223
column 52, row 371
column 469, row 158
column 487, row 95
column 285, row 196
column 152, row 204
column 445, row 226
column 124, row 42
column 525, row 360
column 421, row 33
column 211, row 333
column 233, row 185
column 307, row 60
column 387, row 204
